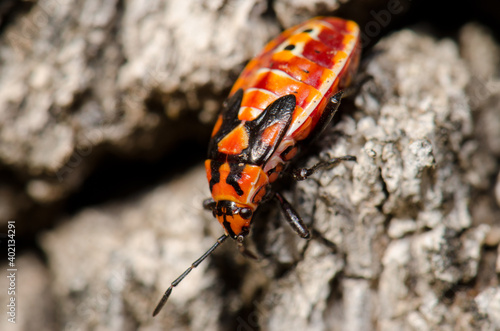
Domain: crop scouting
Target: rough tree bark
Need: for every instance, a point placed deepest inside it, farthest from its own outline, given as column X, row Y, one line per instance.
column 407, row 237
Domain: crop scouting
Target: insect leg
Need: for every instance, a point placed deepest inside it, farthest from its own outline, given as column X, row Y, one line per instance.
column 326, row 117
column 303, row 173
column 355, row 86
column 245, row 251
column 293, row 217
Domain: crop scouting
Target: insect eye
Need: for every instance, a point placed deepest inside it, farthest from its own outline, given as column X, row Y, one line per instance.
column 246, row 213
column 209, row 204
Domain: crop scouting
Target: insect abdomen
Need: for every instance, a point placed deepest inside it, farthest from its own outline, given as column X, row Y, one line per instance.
column 312, row 61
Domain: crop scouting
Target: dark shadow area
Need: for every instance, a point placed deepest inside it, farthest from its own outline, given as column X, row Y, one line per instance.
column 119, row 178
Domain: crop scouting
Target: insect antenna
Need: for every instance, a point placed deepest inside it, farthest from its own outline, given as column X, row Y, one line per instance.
column 185, row 273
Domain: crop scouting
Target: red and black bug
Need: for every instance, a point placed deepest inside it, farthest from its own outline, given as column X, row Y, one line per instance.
column 284, row 98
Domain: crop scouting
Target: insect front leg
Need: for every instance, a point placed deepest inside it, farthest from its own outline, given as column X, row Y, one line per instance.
column 303, row 173
column 293, row 217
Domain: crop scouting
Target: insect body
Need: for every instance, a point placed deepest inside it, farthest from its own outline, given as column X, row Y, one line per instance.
column 283, row 99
